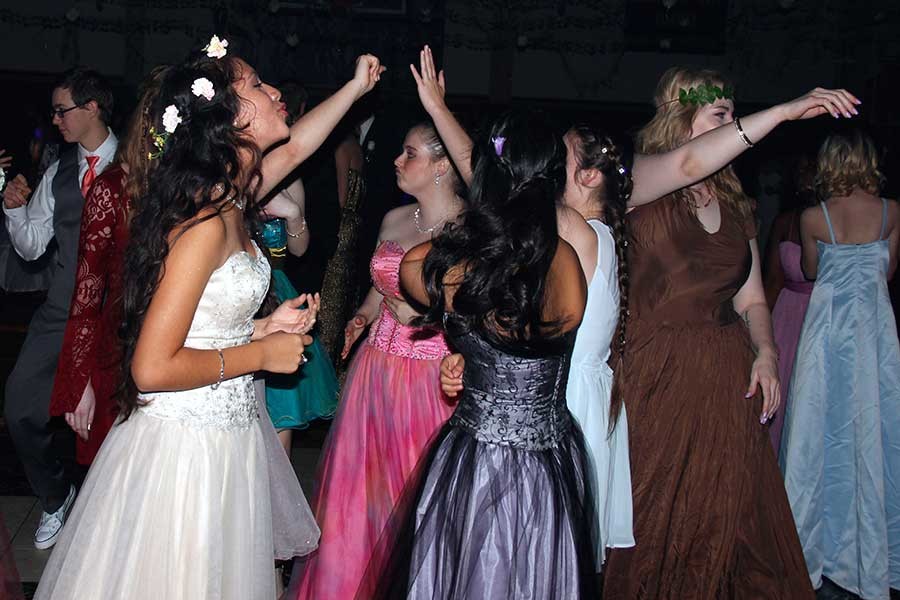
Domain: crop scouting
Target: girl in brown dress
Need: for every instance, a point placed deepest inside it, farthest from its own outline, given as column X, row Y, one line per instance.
column 711, row 518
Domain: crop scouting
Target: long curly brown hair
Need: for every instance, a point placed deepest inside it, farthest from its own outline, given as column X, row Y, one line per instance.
column 138, row 145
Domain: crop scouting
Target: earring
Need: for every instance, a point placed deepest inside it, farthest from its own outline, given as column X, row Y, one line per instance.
column 437, row 180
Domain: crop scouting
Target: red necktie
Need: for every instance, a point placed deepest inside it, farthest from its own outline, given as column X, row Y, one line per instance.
column 90, row 176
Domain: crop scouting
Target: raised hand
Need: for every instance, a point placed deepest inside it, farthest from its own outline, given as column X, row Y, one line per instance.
column 820, row 101
column 429, row 83
column 368, row 72
column 17, row 192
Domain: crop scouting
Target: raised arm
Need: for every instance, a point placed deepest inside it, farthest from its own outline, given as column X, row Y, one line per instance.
column 656, row 175
column 431, row 88
column 308, row 133
column 30, row 221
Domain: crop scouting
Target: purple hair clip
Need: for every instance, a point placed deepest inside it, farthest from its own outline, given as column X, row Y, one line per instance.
column 498, row 144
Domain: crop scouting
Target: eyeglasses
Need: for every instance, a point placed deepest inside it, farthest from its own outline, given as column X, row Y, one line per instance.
column 61, row 112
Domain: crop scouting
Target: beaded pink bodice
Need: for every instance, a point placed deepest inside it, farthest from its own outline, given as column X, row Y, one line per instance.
column 387, row 334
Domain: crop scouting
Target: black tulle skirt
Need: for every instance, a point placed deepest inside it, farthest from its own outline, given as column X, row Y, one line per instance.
column 490, row 521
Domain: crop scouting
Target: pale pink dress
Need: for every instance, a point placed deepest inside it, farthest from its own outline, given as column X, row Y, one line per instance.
column 391, row 406
column 787, row 321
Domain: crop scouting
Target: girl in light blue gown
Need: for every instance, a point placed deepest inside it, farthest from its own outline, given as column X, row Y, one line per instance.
column 840, row 449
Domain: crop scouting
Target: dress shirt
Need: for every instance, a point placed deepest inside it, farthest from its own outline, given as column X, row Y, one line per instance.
column 31, row 226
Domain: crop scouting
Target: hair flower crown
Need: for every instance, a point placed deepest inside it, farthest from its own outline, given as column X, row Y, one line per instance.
column 171, row 119
column 159, row 142
column 203, row 87
column 216, row 48
column 704, row 94
column 498, row 142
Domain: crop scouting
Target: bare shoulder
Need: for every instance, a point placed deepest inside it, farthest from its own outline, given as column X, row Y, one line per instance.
column 893, row 208
column 567, row 287
column 565, row 270
column 204, row 235
column 396, row 219
column 812, row 219
column 573, row 228
column 401, row 213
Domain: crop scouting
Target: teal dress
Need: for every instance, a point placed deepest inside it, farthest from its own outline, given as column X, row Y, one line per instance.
column 312, row 392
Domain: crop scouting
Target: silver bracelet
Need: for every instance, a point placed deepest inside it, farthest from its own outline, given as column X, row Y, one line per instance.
column 740, row 130
column 216, row 385
column 299, row 233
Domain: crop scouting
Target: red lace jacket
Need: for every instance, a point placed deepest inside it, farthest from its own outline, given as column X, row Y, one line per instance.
column 91, row 349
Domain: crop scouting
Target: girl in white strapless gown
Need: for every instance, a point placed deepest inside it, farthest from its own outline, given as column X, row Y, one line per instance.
column 179, row 503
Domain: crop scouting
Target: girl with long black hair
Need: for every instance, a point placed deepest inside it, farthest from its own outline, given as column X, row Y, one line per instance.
column 179, row 492
column 501, row 505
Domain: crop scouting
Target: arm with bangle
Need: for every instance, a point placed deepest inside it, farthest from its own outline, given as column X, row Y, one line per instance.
column 656, row 175
column 295, row 224
column 161, row 361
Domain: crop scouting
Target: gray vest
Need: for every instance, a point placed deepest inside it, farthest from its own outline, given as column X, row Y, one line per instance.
column 66, row 227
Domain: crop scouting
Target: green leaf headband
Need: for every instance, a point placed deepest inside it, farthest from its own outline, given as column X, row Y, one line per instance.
column 704, row 94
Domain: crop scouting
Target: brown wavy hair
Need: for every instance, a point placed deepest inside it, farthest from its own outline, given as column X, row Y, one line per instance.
column 847, row 161
column 671, row 127
column 138, row 145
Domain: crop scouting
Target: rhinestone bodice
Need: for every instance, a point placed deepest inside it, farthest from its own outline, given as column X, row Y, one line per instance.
column 224, row 318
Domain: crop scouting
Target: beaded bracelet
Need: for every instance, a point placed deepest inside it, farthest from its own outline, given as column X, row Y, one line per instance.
column 740, row 130
column 299, row 233
column 216, row 385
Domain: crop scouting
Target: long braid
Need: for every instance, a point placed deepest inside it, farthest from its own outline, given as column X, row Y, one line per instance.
column 598, row 151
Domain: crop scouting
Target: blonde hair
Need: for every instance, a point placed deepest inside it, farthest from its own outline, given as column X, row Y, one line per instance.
column 138, row 144
column 847, row 161
column 671, row 127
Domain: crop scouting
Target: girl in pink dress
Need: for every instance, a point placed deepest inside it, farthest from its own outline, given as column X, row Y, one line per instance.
column 392, row 402
column 787, row 293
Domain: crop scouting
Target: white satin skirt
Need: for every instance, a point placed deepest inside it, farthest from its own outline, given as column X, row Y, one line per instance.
column 171, row 511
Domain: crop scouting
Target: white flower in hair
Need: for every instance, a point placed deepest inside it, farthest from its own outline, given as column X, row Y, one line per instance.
column 216, row 48
column 203, row 87
column 171, row 118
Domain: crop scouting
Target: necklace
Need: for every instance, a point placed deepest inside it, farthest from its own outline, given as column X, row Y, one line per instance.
column 418, row 214
column 237, row 202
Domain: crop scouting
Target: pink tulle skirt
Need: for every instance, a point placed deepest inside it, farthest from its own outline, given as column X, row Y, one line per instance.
column 390, row 409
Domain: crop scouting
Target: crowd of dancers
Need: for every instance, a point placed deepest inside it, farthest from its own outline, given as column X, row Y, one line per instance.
column 570, row 367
